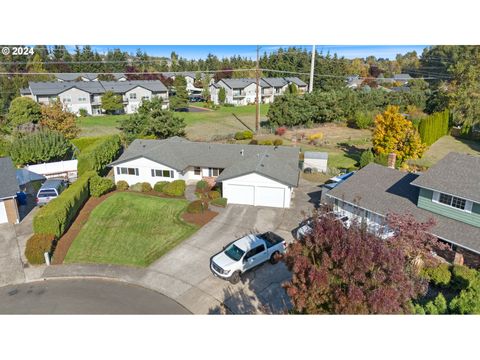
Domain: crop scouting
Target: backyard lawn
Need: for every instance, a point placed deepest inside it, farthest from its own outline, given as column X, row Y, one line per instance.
column 130, row 229
column 100, row 125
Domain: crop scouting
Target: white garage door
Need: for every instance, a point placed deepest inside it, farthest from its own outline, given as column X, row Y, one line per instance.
column 269, row 196
column 3, row 213
column 240, row 194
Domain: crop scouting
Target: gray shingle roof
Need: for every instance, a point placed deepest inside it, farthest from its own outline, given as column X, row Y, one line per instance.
column 50, row 88
column 243, row 83
column 279, row 163
column 8, row 180
column 456, row 174
column 276, row 81
column 383, row 190
column 296, row 81
column 402, row 77
column 315, row 155
column 90, row 76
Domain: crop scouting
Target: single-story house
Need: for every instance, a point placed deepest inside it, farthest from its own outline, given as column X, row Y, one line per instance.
column 449, row 192
column 315, row 160
column 59, row 169
column 8, row 192
column 248, row 174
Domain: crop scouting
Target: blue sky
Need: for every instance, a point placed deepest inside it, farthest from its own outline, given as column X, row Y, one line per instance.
column 201, row 51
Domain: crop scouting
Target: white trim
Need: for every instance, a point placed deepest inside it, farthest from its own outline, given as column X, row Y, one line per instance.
column 443, row 192
column 468, row 203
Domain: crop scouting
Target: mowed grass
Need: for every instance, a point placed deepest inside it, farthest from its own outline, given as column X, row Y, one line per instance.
column 446, row 144
column 130, row 229
column 100, row 125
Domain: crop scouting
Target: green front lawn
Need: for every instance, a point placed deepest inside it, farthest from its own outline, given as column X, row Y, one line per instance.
column 130, row 229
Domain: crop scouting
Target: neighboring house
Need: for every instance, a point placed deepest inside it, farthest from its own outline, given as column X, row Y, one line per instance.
column 248, row 174
column 190, row 79
column 354, row 82
column 60, row 169
column 315, row 160
column 86, row 76
column 87, row 95
column 301, row 85
column 8, row 192
column 278, row 86
column 449, row 192
column 402, row 79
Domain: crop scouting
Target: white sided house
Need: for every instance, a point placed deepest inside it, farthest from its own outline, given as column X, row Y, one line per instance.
column 248, row 174
column 87, row 95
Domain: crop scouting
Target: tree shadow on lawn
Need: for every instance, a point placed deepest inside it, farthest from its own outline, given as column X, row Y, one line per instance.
column 351, row 151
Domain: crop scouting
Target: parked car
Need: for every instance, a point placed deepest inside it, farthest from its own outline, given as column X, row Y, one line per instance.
column 49, row 190
column 246, row 253
column 306, row 226
column 337, row 180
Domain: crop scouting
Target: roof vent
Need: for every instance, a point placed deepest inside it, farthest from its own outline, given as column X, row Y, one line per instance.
column 241, row 152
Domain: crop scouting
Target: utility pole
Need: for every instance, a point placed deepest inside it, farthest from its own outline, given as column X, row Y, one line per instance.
column 257, row 102
column 312, row 67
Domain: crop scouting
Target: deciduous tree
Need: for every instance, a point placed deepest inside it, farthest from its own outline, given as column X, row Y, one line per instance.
column 56, row 118
column 111, row 102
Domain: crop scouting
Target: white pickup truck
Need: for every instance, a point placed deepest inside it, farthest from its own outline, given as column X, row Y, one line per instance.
column 246, row 253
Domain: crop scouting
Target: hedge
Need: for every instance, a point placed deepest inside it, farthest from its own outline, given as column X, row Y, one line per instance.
column 55, row 217
column 37, row 245
column 138, row 187
column 98, row 155
column 100, row 186
column 84, row 143
column 146, row 187
column 222, row 202
column 158, row 187
column 243, row 135
column 175, row 188
column 433, row 127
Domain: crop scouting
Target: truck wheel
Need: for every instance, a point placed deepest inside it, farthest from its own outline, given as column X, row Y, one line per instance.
column 274, row 258
column 235, row 278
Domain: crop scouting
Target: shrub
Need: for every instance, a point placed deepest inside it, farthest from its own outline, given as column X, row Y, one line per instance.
column 83, row 112
column 41, row 146
column 439, row 275
column 214, row 195
column 266, row 142
column 366, row 158
column 363, row 120
column 464, row 277
column 197, row 207
column 278, row 142
column 440, row 303
column 466, row 302
column 418, row 309
column 37, row 245
column 136, row 187
column 243, row 135
column 430, row 308
column 253, row 142
column 146, row 187
column 201, row 186
column 122, row 185
column 313, row 138
column 175, row 188
column 222, row 202
column 280, row 131
column 158, row 187
column 97, row 156
column 100, row 186
column 55, row 217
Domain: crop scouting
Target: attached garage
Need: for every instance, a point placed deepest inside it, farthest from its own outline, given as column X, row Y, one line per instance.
column 256, row 190
column 3, row 213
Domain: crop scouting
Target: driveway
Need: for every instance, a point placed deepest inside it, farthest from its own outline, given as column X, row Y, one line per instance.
column 11, row 267
column 196, row 288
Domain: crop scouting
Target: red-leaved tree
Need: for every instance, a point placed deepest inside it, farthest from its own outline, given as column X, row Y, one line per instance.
column 349, row 271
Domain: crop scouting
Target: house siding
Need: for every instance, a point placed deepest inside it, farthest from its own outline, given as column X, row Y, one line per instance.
column 144, row 167
column 425, row 202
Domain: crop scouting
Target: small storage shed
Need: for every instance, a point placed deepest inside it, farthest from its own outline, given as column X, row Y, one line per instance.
column 315, row 160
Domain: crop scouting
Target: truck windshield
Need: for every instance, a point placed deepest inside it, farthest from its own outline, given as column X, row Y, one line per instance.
column 234, row 252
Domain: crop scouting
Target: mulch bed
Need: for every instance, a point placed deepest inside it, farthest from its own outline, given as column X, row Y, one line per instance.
column 66, row 240
column 199, row 219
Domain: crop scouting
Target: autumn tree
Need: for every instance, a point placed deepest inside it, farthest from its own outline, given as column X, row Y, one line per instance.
column 56, row 118
column 338, row 270
column 394, row 133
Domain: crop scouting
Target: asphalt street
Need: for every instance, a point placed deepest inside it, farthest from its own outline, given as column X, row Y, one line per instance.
column 86, row 296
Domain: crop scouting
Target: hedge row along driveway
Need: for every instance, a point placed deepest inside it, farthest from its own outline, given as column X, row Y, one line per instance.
column 131, row 229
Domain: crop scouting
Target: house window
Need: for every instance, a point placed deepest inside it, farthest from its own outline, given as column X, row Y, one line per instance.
column 452, row 201
column 133, row 96
column 145, row 97
column 197, row 170
column 82, row 99
column 214, row 171
column 127, row 171
column 162, row 173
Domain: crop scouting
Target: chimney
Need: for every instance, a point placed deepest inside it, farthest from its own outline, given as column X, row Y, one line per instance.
column 392, row 158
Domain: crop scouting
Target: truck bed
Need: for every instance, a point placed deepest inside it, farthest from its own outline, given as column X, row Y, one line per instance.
column 271, row 239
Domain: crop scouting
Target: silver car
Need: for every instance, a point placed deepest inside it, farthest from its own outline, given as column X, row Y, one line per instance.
column 50, row 190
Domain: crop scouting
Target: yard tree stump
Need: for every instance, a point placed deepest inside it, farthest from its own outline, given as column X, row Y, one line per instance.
column 458, row 260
